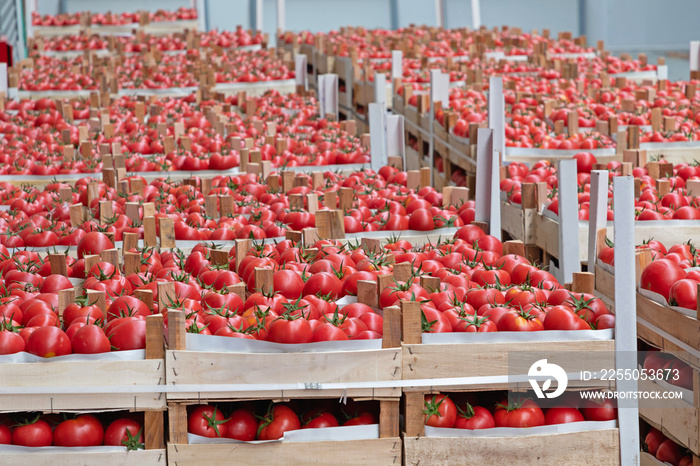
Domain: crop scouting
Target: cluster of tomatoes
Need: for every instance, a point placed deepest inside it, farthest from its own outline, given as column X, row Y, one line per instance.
column 33, row 139
column 38, row 218
column 171, row 71
column 677, row 204
column 63, row 430
column 266, row 421
column 165, row 43
column 672, row 273
column 68, row 19
column 666, row 450
column 470, row 412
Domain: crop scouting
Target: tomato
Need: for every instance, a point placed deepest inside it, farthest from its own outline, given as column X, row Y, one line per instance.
column 128, row 335
column 562, row 415
column 653, row 439
column 288, row 283
column 242, row 425
column 474, row 417
column 321, row 420
column 83, row 431
column 48, row 342
column 290, row 329
column 323, row 283
column 90, row 339
column 595, row 410
column 521, row 413
column 440, row 411
column 684, row 293
column 34, row 433
column 5, row 435
column 563, row 318
column 585, row 162
column 10, row 342
column 670, row 452
column 278, row 420
column 94, row 243
column 207, row 421
column 660, row 275
column 519, row 321
column 125, row 431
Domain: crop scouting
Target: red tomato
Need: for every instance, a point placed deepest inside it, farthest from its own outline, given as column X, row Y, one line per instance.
column 125, row 431
column 440, row 411
column 562, row 415
column 83, row 431
column 279, row 419
column 242, row 425
column 474, row 417
column 524, row 413
column 207, row 421
column 48, row 342
column 34, row 433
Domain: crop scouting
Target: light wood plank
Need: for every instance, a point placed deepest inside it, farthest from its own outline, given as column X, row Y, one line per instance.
column 374, row 452
column 599, row 447
column 194, row 367
column 141, row 457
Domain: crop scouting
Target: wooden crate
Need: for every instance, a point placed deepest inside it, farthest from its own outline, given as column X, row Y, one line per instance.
column 75, row 378
column 154, row 454
column 186, row 367
column 597, row 447
column 385, row 450
column 677, row 420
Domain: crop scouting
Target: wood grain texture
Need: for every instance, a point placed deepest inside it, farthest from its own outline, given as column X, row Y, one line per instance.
column 140, row 457
column 194, row 367
column 683, row 327
column 597, row 448
column 490, row 359
column 374, row 452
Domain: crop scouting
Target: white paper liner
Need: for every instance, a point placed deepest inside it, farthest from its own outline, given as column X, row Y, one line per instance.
column 213, row 343
column 453, row 338
column 670, row 145
column 326, row 434
column 15, row 449
column 256, row 85
column 584, row 426
column 24, row 357
column 651, row 459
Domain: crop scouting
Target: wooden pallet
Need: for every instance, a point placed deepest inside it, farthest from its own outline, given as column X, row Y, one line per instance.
column 73, row 376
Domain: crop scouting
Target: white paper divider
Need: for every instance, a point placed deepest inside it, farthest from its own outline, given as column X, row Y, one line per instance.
column 377, row 134
column 300, row 71
column 497, row 115
column 516, row 337
column 328, row 94
column 569, row 260
column 24, row 357
column 571, row 427
column 380, row 87
column 213, row 343
column 695, row 55
column 396, row 64
column 661, row 72
column 326, row 434
column 598, row 217
column 396, row 137
column 625, row 315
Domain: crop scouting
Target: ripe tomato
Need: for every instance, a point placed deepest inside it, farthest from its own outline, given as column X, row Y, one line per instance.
column 440, row 411
column 670, row 452
column 519, row 321
column 523, row 413
column 94, row 243
column 278, row 420
column 207, row 421
column 125, row 431
column 474, row 417
column 595, row 410
column 48, row 342
column 34, row 433
column 653, row 439
column 562, row 415
column 660, row 275
column 242, row 425
column 83, row 431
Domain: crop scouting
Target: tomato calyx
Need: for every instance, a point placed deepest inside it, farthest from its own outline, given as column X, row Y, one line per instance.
column 473, row 319
column 131, row 442
column 432, row 407
column 513, row 405
column 213, row 422
column 467, row 412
